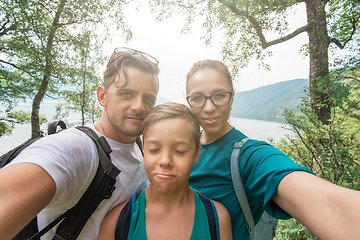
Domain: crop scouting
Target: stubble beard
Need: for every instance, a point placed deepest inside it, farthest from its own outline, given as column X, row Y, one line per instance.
column 122, row 128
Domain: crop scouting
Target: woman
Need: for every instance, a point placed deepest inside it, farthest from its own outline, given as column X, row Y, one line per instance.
column 272, row 181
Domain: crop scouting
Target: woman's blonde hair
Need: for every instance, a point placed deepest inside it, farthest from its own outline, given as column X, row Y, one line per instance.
column 210, row 64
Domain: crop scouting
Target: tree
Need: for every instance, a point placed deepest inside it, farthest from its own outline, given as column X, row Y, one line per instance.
column 81, row 96
column 247, row 22
column 331, row 151
column 10, row 20
column 41, row 47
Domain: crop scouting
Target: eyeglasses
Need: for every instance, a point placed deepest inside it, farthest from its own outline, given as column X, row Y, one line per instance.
column 218, row 99
column 136, row 52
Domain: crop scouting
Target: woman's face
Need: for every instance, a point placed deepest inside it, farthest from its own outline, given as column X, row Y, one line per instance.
column 213, row 119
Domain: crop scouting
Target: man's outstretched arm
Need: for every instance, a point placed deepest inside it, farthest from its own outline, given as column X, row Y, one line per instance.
column 25, row 189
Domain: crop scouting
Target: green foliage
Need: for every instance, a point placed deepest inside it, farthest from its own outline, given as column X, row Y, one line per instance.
column 292, row 229
column 246, row 25
column 5, row 129
column 343, row 20
column 38, row 41
column 9, row 118
column 331, row 151
column 84, row 102
column 242, row 42
column 80, row 95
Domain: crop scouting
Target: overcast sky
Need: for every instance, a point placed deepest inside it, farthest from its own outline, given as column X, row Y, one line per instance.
column 177, row 52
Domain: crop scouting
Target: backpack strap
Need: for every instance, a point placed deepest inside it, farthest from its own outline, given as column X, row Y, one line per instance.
column 52, row 128
column 10, row 155
column 101, row 187
column 139, row 143
column 239, row 187
column 31, row 228
column 124, row 220
column 211, row 215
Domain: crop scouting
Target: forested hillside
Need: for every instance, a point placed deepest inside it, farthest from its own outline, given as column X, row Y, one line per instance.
column 269, row 100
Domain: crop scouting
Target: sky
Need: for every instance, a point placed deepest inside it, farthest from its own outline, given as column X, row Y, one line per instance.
column 177, row 52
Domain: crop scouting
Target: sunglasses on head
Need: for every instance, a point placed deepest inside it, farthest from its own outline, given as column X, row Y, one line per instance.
column 136, row 52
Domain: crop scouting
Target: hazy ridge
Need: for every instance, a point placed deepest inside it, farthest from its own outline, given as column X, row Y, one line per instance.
column 269, row 100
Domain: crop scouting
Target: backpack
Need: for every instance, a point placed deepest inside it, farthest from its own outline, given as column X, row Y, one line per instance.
column 124, row 220
column 101, row 187
column 266, row 227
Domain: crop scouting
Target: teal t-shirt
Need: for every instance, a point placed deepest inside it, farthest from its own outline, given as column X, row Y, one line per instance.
column 262, row 167
column 201, row 229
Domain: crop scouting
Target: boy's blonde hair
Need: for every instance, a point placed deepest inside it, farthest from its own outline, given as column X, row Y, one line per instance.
column 172, row 110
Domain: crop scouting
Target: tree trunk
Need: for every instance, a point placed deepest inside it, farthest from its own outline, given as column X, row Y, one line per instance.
column 35, row 125
column 83, row 94
column 319, row 61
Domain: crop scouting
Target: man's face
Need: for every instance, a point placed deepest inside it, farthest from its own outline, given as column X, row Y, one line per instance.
column 127, row 106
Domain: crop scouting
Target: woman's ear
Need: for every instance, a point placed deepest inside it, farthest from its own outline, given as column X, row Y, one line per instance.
column 197, row 154
column 100, row 93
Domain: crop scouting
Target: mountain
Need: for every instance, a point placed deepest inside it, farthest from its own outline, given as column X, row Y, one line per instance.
column 160, row 100
column 269, row 100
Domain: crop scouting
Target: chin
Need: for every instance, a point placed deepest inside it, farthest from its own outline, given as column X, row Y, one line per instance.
column 164, row 189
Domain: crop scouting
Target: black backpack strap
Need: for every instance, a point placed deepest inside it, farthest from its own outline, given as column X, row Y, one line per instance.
column 10, row 155
column 139, row 143
column 52, row 128
column 101, row 187
column 211, row 215
column 28, row 231
column 31, row 228
column 124, row 220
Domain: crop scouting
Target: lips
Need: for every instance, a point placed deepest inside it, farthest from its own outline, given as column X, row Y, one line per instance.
column 136, row 118
column 210, row 120
column 164, row 175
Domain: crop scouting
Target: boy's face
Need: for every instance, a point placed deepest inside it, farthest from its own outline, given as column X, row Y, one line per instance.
column 169, row 154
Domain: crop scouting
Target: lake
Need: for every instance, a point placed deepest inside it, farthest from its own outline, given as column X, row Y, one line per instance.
column 253, row 128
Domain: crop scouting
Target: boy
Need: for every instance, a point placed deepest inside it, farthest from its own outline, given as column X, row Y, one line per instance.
column 173, row 210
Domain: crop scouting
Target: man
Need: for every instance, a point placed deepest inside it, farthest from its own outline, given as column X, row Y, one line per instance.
column 51, row 175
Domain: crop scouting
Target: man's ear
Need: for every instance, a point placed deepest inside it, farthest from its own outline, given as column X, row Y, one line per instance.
column 101, row 97
column 197, row 154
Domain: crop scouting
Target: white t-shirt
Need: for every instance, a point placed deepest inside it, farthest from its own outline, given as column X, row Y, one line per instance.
column 70, row 157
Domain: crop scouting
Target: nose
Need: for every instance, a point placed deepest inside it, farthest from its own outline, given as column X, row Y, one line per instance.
column 165, row 160
column 138, row 105
column 209, row 105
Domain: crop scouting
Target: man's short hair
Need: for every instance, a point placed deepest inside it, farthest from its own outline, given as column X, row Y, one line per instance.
column 120, row 60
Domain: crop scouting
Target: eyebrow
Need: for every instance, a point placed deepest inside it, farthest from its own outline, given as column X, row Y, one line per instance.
column 177, row 142
column 122, row 89
column 213, row 92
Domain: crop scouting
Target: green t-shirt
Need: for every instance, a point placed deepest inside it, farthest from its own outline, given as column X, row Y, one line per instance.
column 262, row 167
column 200, row 229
